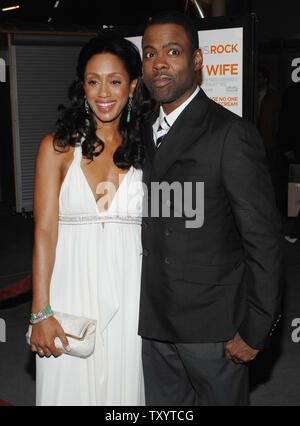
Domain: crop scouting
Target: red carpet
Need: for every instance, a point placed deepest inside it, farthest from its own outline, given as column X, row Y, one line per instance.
column 4, row 404
column 15, row 289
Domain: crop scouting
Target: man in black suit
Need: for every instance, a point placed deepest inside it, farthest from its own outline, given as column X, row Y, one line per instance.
column 210, row 294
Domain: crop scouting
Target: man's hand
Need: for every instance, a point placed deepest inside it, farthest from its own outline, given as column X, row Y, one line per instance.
column 238, row 351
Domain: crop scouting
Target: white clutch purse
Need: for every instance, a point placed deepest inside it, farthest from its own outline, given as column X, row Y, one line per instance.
column 80, row 332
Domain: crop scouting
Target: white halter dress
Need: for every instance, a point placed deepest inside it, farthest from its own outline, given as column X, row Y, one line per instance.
column 97, row 275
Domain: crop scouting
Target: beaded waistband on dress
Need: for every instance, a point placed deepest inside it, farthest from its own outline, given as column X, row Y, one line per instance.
column 86, row 219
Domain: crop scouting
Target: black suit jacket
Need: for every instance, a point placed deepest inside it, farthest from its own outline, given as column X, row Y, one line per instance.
column 205, row 284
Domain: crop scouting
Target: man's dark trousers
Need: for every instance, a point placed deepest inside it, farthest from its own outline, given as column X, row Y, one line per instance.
column 189, row 374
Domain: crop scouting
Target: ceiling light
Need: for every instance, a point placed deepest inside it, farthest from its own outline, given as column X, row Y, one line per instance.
column 6, row 9
column 56, row 4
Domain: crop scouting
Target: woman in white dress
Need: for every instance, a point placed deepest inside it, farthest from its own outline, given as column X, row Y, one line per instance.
column 87, row 251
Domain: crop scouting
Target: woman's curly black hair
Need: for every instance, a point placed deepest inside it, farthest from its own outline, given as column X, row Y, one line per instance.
column 76, row 125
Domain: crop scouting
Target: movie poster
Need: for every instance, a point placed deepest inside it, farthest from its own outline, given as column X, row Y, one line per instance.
column 222, row 70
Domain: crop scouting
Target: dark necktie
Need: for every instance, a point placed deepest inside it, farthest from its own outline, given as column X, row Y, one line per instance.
column 161, row 132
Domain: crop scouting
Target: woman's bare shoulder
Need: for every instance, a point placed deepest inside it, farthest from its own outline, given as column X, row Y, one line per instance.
column 52, row 151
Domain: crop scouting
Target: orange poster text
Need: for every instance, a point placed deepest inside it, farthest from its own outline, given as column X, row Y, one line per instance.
column 221, row 48
column 226, row 100
column 221, row 69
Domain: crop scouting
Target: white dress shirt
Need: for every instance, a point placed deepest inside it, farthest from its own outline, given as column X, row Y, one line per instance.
column 172, row 117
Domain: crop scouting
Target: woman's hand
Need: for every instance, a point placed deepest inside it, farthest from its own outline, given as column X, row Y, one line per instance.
column 43, row 335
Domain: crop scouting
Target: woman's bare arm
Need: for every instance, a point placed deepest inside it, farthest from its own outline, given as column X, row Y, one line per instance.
column 46, row 193
column 48, row 178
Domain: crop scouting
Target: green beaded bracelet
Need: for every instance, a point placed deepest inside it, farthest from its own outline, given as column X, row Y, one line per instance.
column 41, row 316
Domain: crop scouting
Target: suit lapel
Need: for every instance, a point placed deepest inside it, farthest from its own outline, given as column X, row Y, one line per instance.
column 150, row 145
column 150, row 149
column 184, row 132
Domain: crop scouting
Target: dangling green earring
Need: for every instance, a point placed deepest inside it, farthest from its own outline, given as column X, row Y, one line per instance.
column 87, row 110
column 129, row 109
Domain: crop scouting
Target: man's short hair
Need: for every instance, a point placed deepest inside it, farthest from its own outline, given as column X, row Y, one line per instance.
column 178, row 18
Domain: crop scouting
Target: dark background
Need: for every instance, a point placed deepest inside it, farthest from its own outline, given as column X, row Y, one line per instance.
column 275, row 378
column 277, row 18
